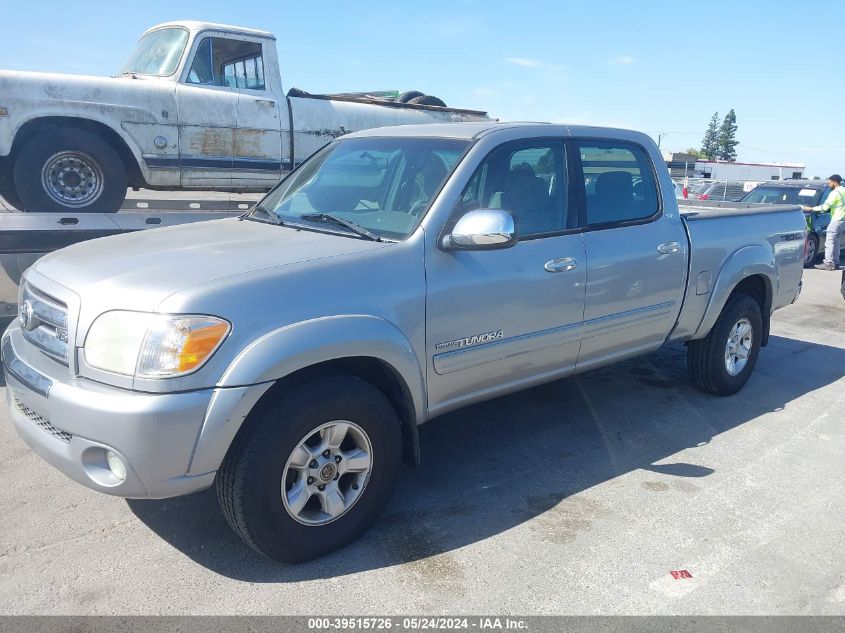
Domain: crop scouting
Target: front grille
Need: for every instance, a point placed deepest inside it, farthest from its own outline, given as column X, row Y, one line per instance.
column 42, row 422
column 44, row 323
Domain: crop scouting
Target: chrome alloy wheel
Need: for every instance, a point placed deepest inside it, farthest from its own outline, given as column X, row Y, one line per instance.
column 327, row 472
column 72, row 179
column 738, row 347
column 810, row 257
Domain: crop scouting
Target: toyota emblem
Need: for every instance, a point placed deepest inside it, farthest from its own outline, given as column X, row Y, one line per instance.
column 27, row 322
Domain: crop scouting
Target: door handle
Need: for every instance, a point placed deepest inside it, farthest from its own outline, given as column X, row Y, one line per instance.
column 668, row 247
column 560, row 265
column 267, row 102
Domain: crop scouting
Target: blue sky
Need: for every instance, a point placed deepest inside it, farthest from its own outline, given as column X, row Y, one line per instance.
column 659, row 67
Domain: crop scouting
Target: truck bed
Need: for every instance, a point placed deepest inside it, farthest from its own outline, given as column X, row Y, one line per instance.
column 726, row 235
column 690, row 209
column 375, row 100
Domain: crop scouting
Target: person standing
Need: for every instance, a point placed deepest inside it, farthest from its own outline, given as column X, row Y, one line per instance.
column 835, row 203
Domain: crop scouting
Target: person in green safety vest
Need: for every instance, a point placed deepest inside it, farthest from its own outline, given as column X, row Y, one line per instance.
column 835, row 203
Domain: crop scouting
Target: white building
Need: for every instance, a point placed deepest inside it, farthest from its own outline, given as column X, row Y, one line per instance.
column 685, row 165
column 722, row 170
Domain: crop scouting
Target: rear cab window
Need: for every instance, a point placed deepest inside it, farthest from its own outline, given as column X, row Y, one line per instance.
column 618, row 182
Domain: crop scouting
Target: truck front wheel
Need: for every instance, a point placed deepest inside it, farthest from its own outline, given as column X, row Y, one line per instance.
column 313, row 470
column 69, row 170
column 11, row 197
column 721, row 363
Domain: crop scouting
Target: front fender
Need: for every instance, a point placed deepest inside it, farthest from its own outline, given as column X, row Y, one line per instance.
column 281, row 352
column 744, row 263
column 110, row 116
column 284, row 351
column 135, row 110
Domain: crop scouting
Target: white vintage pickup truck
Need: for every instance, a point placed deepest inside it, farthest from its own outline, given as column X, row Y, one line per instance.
column 197, row 106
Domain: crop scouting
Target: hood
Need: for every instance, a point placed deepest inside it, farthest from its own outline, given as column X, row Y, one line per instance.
column 64, row 86
column 137, row 271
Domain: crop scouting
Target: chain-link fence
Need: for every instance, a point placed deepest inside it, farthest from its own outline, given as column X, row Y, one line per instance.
column 713, row 189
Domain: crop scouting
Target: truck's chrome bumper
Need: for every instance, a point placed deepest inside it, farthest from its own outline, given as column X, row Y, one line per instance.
column 73, row 422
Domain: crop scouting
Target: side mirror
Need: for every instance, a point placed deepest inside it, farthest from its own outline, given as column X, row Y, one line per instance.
column 482, row 229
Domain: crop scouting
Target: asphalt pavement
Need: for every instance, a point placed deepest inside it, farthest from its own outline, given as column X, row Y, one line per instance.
column 578, row 497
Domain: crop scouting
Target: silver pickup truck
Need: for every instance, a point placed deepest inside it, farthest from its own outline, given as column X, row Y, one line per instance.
column 288, row 356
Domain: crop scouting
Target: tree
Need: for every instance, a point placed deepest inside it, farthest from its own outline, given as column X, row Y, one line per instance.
column 695, row 153
column 727, row 137
column 546, row 163
column 710, row 142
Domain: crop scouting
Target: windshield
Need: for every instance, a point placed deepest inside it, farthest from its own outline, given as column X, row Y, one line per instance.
column 768, row 194
column 384, row 185
column 158, row 53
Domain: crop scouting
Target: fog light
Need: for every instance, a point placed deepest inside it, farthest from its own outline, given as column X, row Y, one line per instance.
column 116, row 465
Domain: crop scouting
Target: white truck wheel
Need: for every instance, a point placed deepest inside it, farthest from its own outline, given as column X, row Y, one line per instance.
column 69, row 170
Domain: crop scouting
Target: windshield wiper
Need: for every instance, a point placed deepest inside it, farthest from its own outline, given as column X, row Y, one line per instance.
column 355, row 228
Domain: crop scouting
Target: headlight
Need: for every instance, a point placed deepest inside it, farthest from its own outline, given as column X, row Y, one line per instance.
column 152, row 345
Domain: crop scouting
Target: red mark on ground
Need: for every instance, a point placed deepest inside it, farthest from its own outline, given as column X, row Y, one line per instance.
column 681, row 573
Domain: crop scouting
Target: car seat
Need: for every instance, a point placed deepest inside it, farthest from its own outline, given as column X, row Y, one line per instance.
column 526, row 197
column 613, row 199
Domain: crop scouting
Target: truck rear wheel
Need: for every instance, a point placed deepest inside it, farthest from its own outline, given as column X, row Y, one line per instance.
column 312, row 471
column 70, row 170
column 721, row 363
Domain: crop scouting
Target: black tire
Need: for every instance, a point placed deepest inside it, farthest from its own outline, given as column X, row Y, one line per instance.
column 249, row 483
column 405, row 97
column 812, row 250
column 38, row 152
column 7, row 186
column 706, row 357
column 427, row 100
column 12, row 199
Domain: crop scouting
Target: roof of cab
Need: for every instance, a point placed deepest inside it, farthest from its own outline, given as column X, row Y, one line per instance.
column 464, row 130
column 475, row 129
column 196, row 26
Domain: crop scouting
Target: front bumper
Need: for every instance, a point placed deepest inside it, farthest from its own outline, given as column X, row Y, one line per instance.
column 72, row 422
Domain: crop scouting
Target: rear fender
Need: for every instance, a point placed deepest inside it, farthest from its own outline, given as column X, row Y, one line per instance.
column 744, row 263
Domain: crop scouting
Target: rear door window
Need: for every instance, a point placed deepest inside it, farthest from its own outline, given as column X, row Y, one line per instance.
column 619, row 184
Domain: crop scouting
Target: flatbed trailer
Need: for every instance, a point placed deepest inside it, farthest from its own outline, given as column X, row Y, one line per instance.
column 25, row 237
